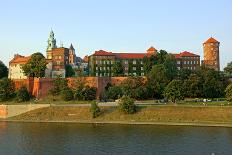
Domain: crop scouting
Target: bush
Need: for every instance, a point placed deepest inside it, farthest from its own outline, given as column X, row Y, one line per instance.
column 22, row 95
column 67, row 94
column 89, row 93
column 127, row 105
column 95, row 110
column 114, row 92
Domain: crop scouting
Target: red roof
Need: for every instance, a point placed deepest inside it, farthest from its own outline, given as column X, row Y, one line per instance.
column 130, row 55
column 20, row 59
column 152, row 49
column 103, row 53
column 211, row 40
column 185, row 54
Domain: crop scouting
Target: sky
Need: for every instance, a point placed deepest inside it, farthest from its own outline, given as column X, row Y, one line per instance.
column 115, row 25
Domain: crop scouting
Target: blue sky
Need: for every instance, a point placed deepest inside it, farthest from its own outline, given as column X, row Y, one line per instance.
column 115, row 25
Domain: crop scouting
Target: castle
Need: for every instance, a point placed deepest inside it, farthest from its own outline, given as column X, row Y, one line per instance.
column 102, row 62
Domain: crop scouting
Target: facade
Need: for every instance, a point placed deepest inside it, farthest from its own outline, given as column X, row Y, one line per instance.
column 187, row 60
column 211, row 54
column 15, row 67
column 103, row 63
column 72, row 56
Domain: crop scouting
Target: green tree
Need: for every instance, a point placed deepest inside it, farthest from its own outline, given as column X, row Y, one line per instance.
column 117, row 68
column 3, row 70
column 170, row 67
column 69, row 71
column 95, row 110
column 114, row 92
column 228, row 68
column 130, row 84
column 59, row 84
column 67, row 94
column 148, row 62
column 184, row 74
column 89, row 93
column 192, row 86
column 7, row 89
column 22, row 95
column 228, row 92
column 36, row 66
column 174, row 91
column 127, row 105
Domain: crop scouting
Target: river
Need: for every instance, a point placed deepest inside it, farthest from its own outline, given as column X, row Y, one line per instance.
column 110, row 139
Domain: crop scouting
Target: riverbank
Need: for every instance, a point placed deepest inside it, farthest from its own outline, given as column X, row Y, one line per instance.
column 160, row 115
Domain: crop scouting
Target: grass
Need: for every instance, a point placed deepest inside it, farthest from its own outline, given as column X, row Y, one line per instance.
column 168, row 114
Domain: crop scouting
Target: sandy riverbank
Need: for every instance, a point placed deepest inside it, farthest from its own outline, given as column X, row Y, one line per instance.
column 166, row 115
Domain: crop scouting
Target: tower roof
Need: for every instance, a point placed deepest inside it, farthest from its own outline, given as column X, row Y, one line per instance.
column 152, row 49
column 71, row 47
column 211, row 40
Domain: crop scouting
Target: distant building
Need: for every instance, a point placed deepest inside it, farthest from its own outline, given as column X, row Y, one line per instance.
column 101, row 63
column 211, row 54
column 15, row 67
column 187, row 60
column 58, row 58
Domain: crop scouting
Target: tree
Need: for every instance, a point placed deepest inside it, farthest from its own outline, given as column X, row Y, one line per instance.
column 59, row 84
column 228, row 92
column 22, row 95
column 127, row 105
column 7, row 89
column 67, row 94
column 192, row 86
column 117, row 68
column 170, row 67
column 228, row 68
column 3, row 70
column 36, row 66
column 95, row 110
column 174, row 91
column 148, row 62
column 69, row 71
column 89, row 93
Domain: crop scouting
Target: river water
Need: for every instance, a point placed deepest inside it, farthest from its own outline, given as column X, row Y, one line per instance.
column 110, row 139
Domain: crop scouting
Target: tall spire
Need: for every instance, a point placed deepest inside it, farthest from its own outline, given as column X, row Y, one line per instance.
column 51, row 41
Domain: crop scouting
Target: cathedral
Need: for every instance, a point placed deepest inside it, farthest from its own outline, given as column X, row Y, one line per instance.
column 58, row 57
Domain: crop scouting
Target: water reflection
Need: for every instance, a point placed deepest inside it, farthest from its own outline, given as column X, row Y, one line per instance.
column 68, row 138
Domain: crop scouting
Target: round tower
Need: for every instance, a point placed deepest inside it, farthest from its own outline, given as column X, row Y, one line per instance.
column 211, row 53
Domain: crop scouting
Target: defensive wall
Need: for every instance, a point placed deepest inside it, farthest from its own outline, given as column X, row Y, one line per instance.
column 39, row 87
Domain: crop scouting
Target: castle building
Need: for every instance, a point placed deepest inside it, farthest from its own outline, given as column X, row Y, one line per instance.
column 211, row 54
column 15, row 67
column 51, row 44
column 187, row 60
column 102, row 63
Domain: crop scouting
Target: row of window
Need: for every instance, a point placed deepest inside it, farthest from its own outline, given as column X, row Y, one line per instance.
column 108, row 74
column 126, row 68
column 104, row 62
column 191, row 62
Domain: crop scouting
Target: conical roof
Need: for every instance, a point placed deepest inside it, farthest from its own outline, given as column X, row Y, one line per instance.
column 211, row 40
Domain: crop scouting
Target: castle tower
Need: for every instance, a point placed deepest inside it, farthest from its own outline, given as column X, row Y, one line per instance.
column 211, row 54
column 152, row 51
column 51, row 44
column 72, row 55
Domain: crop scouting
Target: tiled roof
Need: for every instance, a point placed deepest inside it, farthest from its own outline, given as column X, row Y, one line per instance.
column 152, row 49
column 103, row 53
column 185, row 54
column 130, row 55
column 211, row 40
column 20, row 59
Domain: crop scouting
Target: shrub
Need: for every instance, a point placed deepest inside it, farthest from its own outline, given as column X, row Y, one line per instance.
column 114, row 92
column 95, row 110
column 22, row 95
column 67, row 94
column 127, row 105
column 89, row 93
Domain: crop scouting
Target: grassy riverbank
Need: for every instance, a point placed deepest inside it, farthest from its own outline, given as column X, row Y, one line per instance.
column 173, row 115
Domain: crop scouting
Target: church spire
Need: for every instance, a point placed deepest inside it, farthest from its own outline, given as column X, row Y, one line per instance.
column 51, row 41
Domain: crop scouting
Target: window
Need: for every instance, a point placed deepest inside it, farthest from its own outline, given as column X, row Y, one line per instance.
column 141, row 68
column 112, row 62
column 96, row 62
column 134, row 74
column 141, row 62
column 178, row 68
column 96, row 74
column 96, row 68
column 184, row 62
column 126, row 68
column 60, row 57
column 100, row 68
column 108, row 62
column 104, row 68
column 58, row 62
column 126, row 62
column 134, row 68
column 134, row 62
column 108, row 68
column 178, row 62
